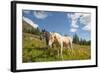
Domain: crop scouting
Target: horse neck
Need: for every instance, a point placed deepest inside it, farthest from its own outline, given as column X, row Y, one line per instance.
column 57, row 38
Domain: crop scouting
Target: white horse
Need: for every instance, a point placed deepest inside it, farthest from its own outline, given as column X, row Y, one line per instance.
column 60, row 40
column 67, row 41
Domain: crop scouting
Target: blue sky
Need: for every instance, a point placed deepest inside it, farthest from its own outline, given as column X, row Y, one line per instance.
column 67, row 23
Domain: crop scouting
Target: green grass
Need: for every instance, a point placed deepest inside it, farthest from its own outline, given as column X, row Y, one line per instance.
column 34, row 50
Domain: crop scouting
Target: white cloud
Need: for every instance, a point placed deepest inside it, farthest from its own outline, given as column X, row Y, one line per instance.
column 26, row 11
column 40, row 14
column 30, row 22
column 86, row 21
column 73, row 30
column 87, row 27
column 74, row 18
column 83, row 18
column 74, row 24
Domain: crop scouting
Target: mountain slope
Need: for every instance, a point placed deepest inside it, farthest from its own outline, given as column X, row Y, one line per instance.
column 26, row 26
column 30, row 22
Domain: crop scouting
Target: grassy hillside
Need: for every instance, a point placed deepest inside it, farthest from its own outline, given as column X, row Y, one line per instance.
column 34, row 50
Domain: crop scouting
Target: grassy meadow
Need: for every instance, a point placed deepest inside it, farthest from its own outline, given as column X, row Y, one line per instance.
column 34, row 50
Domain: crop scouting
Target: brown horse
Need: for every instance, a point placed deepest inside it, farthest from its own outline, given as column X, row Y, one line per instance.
column 46, row 36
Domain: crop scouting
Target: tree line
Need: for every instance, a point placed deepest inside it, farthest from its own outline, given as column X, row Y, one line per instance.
column 35, row 31
column 80, row 41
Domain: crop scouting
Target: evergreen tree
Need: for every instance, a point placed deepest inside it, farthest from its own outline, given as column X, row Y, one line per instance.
column 76, row 39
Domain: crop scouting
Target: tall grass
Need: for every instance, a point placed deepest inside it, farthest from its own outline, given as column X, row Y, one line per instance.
column 34, row 50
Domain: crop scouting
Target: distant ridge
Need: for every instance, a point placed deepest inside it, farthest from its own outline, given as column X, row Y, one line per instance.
column 30, row 22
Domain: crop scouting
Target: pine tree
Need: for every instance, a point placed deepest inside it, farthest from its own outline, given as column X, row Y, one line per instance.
column 76, row 39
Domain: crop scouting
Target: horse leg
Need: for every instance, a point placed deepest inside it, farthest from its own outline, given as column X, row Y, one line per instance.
column 69, row 48
column 61, row 50
column 71, row 45
column 58, row 53
column 72, row 51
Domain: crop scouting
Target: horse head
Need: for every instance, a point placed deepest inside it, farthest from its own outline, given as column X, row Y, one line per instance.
column 51, row 39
